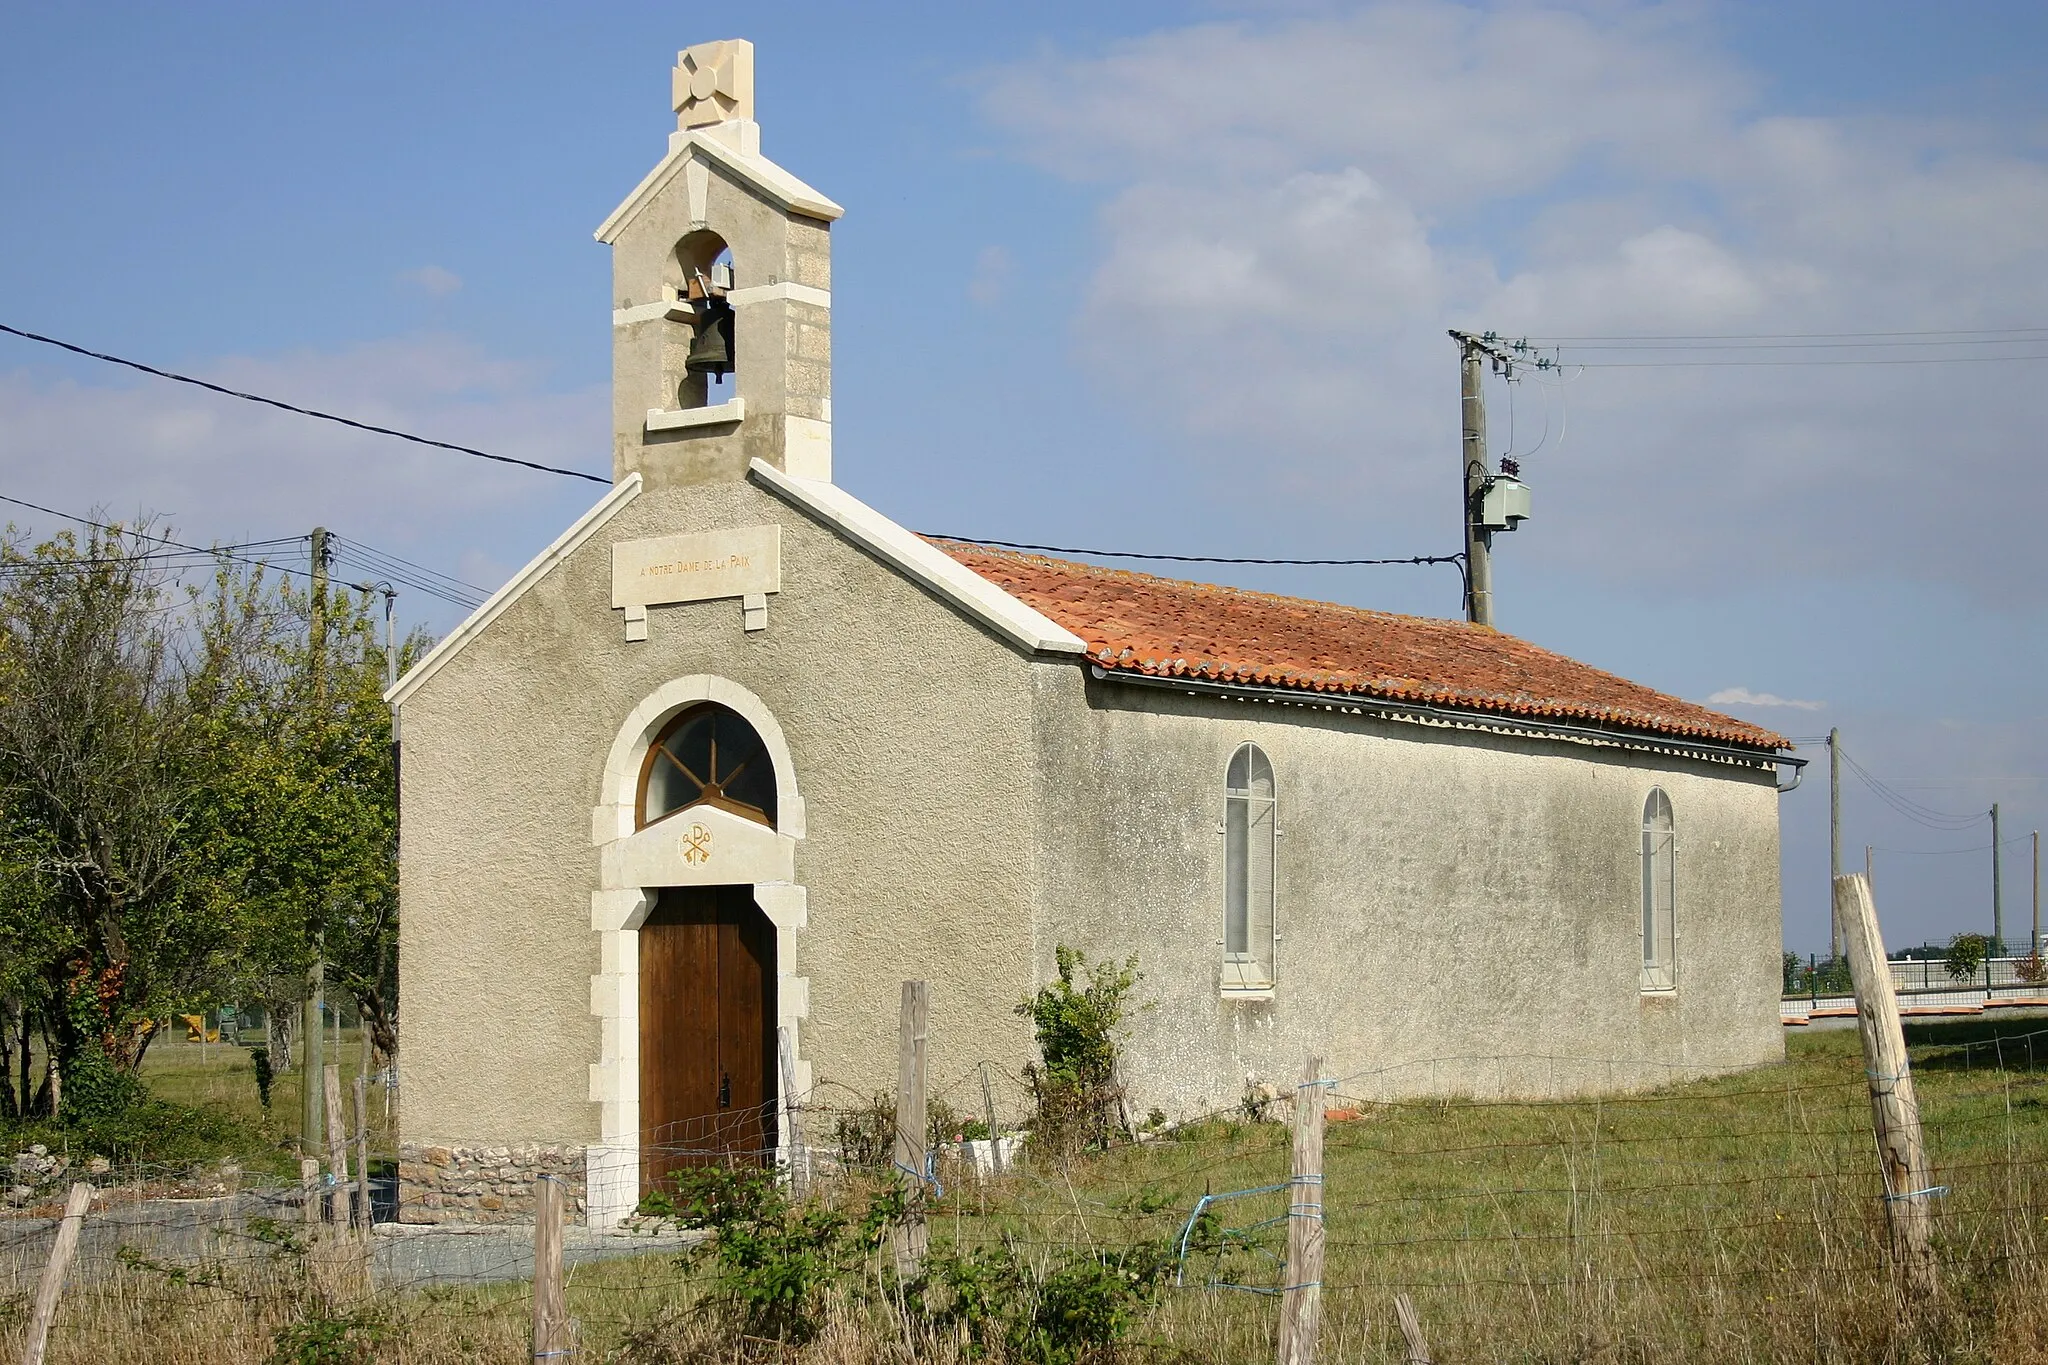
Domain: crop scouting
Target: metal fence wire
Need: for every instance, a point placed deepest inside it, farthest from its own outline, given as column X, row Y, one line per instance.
column 1742, row 1215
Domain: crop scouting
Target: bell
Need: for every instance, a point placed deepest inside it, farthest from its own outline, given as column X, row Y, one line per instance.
column 711, row 349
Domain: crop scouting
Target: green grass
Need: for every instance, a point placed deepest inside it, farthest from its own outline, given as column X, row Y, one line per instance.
column 1734, row 1219
column 205, row 1106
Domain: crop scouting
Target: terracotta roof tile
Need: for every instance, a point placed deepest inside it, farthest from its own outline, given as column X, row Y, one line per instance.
column 1139, row 623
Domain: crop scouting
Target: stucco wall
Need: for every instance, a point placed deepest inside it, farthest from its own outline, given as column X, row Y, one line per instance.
column 1445, row 898
column 912, row 736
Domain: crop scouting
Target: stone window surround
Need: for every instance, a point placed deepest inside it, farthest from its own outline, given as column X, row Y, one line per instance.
column 617, row 911
column 1245, row 988
column 1660, row 980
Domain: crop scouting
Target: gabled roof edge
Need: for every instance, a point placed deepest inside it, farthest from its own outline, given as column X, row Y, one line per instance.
column 764, row 175
column 515, row 587
column 920, row 561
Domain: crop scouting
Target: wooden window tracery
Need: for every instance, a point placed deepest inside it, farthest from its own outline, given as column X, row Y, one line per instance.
column 707, row 756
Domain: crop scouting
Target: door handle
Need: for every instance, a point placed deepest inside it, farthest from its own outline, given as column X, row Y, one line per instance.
column 724, row 1091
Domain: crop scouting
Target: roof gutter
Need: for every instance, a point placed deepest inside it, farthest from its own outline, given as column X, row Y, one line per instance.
column 1457, row 718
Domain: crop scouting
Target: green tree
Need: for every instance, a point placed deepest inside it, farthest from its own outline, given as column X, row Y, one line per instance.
column 195, row 797
column 299, row 817
column 97, row 767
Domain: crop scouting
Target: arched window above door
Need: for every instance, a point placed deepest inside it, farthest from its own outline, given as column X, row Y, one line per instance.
column 707, row 756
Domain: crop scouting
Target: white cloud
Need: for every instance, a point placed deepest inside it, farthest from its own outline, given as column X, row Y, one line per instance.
column 219, row 469
column 1742, row 696
column 1296, row 208
column 432, row 279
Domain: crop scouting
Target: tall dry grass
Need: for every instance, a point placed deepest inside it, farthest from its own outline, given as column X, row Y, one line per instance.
column 1737, row 1219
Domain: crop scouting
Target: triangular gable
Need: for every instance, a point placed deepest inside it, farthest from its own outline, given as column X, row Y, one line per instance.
column 779, row 186
column 515, row 587
column 833, row 508
column 920, row 561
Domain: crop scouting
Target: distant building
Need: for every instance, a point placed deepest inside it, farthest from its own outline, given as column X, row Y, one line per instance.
column 737, row 754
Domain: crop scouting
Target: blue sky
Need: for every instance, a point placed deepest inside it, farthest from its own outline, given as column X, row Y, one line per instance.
column 1143, row 276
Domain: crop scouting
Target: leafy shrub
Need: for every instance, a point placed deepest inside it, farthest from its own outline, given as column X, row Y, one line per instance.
column 713, row 1196
column 2031, row 969
column 1051, row 1312
column 326, row 1337
column 776, row 1264
column 866, row 1136
column 1829, row 976
column 1073, row 1084
column 259, row 1058
column 1966, row 954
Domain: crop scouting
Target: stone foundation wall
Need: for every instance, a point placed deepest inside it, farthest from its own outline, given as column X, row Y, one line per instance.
column 449, row 1184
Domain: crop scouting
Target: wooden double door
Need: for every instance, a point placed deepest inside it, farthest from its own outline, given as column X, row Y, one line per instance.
column 707, row 1032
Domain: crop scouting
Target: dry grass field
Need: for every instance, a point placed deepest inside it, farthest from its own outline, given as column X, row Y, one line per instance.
column 1738, row 1219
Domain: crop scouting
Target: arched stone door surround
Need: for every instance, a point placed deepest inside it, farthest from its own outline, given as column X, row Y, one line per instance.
column 633, row 865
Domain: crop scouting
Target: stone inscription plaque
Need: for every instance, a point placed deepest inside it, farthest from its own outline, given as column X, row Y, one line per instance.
column 697, row 567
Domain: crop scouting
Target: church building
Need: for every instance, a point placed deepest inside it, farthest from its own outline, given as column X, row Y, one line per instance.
column 693, row 793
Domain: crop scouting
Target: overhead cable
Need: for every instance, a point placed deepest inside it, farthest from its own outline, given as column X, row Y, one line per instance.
column 196, row 549
column 294, row 407
column 460, row 595
column 1795, row 336
column 1906, row 805
column 1193, row 559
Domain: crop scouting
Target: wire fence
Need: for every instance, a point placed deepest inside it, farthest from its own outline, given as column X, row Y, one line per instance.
column 1740, row 1215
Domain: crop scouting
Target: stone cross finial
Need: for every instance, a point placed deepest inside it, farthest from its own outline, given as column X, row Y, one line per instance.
column 714, row 83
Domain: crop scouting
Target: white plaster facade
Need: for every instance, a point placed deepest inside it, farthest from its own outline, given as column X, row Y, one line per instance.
column 958, row 792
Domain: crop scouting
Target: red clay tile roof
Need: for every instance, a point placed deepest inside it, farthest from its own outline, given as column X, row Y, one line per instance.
column 1165, row 627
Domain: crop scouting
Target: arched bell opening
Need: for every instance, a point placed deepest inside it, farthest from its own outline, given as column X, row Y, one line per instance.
column 700, row 272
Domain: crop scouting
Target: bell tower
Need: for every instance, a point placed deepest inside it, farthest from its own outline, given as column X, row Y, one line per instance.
column 721, row 296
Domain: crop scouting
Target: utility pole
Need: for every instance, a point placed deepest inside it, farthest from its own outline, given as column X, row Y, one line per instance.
column 312, row 1117
column 1997, row 890
column 1478, row 542
column 2037, row 893
column 1834, row 834
column 1490, row 502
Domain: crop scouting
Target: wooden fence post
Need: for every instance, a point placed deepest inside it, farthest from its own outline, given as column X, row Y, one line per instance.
column 911, row 1138
column 1411, row 1330
column 309, row 1188
column 550, row 1295
column 1301, row 1301
column 1894, row 1111
column 337, row 1145
column 364, row 1217
column 51, row 1287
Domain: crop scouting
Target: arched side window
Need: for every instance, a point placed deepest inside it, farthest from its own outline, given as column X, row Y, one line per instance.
column 1249, row 815
column 1660, row 893
column 707, row 756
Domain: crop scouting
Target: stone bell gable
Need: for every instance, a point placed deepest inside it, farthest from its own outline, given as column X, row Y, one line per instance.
column 719, row 250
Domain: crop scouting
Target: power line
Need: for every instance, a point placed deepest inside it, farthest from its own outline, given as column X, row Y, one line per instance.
column 1905, row 805
column 1795, row 336
column 1192, row 559
column 294, row 407
column 407, row 564
column 1944, row 852
column 1732, row 345
column 195, row 549
column 178, row 559
column 199, row 555
column 1731, row 364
